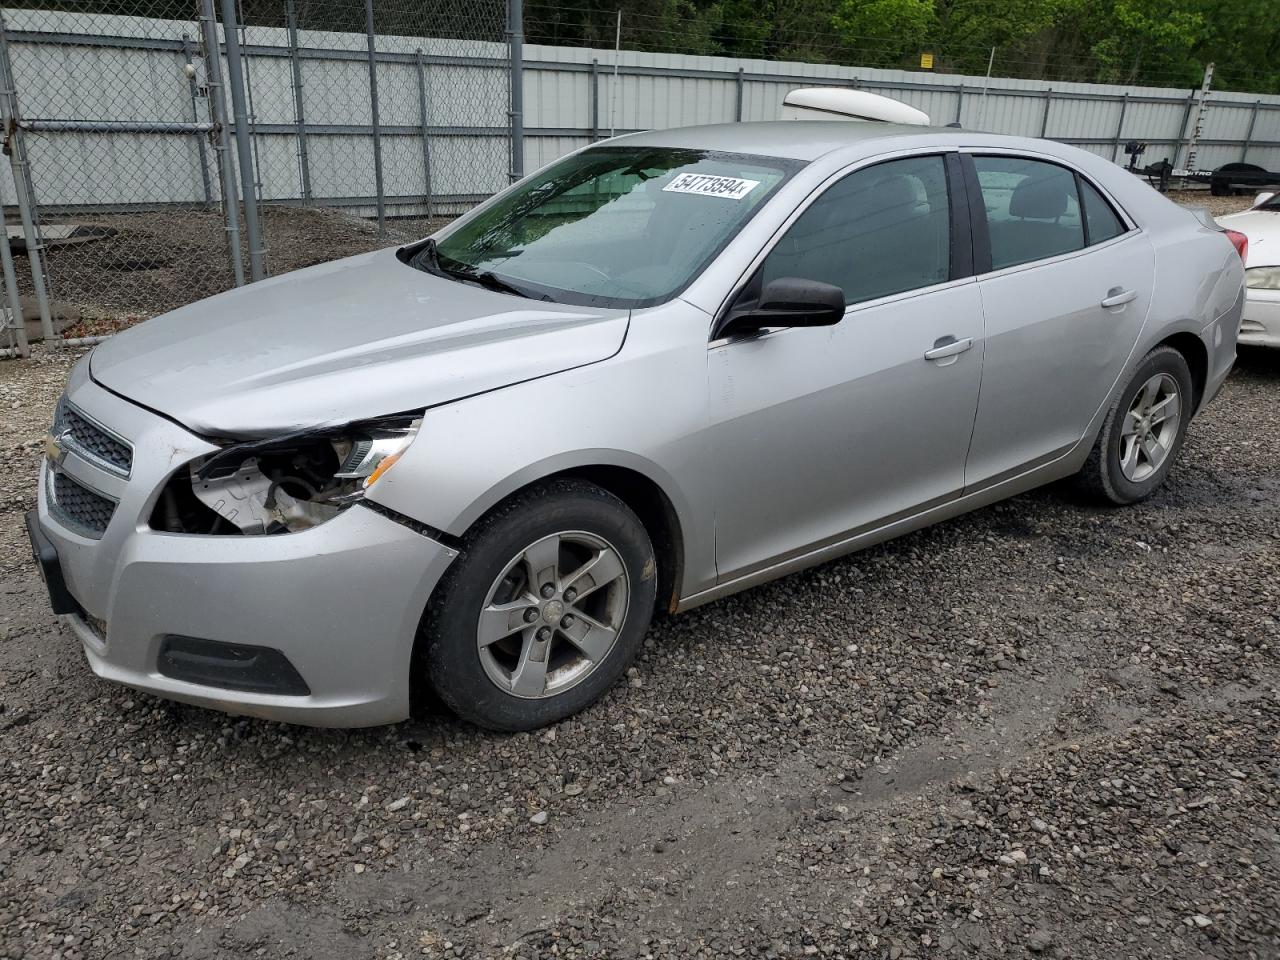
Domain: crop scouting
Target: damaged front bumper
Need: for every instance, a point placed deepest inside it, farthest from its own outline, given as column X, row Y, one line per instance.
column 315, row 627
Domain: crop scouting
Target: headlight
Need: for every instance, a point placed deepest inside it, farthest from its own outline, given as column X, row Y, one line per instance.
column 370, row 454
column 286, row 483
column 1262, row 278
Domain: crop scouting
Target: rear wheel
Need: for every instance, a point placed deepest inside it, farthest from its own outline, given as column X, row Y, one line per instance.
column 544, row 608
column 1143, row 431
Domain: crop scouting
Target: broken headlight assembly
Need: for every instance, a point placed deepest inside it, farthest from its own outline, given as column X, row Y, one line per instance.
column 282, row 484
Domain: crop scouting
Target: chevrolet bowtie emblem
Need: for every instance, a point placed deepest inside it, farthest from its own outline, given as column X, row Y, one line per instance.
column 53, row 447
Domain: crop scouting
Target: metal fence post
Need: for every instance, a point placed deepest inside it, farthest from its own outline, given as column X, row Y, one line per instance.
column 515, row 31
column 1248, row 137
column 244, row 151
column 195, row 116
column 737, row 109
column 222, row 148
column 377, row 123
column 959, row 102
column 1115, row 148
column 426, row 138
column 24, row 189
column 11, row 288
column 304, row 164
column 595, row 100
column 1044, row 119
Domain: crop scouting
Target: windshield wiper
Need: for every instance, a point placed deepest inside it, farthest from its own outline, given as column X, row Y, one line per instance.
column 487, row 278
column 428, row 258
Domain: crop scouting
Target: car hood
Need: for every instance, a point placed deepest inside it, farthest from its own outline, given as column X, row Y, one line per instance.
column 347, row 340
column 1262, row 227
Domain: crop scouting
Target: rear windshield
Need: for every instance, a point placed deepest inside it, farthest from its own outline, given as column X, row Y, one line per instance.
column 614, row 226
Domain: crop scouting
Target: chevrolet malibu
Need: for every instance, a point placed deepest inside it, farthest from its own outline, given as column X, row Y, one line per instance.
column 656, row 372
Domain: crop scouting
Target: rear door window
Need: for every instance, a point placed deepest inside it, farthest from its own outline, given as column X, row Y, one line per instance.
column 1032, row 209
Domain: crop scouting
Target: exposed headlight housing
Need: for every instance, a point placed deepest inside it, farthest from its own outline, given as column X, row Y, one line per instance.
column 370, row 454
column 1262, row 278
column 283, row 484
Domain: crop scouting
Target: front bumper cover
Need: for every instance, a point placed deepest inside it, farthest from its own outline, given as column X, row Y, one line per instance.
column 1260, row 324
column 342, row 601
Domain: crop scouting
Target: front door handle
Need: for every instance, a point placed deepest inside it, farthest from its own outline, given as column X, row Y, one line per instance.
column 948, row 347
column 1117, row 298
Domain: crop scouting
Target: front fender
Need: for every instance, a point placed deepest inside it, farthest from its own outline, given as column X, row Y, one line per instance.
column 644, row 410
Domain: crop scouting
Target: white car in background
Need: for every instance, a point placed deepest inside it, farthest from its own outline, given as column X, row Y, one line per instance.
column 1260, row 325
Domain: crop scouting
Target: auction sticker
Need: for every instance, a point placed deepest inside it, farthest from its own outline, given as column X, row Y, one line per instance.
column 704, row 184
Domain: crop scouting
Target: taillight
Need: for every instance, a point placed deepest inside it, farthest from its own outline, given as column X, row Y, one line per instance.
column 1239, row 241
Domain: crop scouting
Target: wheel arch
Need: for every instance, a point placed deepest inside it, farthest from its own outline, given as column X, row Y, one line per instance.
column 637, row 482
column 1196, row 354
column 638, row 488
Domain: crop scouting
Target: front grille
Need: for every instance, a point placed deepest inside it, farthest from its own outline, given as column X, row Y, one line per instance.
column 78, row 506
column 95, row 443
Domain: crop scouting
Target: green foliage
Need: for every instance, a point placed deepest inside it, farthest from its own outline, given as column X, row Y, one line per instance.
column 891, row 29
column 1141, row 42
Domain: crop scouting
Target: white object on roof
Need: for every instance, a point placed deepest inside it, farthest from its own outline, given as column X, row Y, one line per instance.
column 840, row 103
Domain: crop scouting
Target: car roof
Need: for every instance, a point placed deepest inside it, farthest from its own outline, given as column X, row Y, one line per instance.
column 805, row 140
column 852, row 140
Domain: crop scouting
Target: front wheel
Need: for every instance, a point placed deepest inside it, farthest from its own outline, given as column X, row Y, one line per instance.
column 1143, row 431
column 544, row 608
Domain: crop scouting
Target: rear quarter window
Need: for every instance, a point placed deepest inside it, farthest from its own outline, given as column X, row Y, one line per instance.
column 1101, row 221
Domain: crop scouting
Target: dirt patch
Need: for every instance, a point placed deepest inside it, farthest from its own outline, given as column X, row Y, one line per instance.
column 157, row 261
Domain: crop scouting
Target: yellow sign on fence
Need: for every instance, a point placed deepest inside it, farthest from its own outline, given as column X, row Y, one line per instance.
column 926, row 61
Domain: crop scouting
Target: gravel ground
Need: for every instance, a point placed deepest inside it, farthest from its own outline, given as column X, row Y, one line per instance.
column 1044, row 729
column 1217, row 206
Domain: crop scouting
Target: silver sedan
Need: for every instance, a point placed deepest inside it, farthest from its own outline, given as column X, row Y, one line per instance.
column 658, row 371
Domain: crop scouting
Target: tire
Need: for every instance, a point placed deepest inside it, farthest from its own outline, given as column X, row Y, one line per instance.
column 486, row 668
column 1105, row 474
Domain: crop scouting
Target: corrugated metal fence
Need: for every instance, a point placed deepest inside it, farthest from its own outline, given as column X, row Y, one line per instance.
column 571, row 99
column 126, row 117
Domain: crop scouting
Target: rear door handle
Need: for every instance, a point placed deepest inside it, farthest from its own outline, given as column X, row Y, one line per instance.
column 1117, row 298
column 948, row 347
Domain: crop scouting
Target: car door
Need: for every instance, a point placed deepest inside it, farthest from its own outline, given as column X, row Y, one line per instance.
column 821, row 432
column 1066, row 282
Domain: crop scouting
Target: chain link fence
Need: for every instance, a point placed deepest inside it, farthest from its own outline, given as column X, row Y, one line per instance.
column 394, row 112
column 133, row 147
column 114, row 162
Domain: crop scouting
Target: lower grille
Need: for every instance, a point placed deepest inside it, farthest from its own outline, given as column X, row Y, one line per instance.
column 79, row 507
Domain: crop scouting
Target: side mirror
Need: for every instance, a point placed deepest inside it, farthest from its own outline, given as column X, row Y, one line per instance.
column 1262, row 198
column 785, row 302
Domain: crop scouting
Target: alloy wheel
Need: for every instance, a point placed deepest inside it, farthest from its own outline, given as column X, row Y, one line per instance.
column 553, row 615
column 1150, row 428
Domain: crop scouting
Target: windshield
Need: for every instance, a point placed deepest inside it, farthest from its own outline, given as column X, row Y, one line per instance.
column 611, row 226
